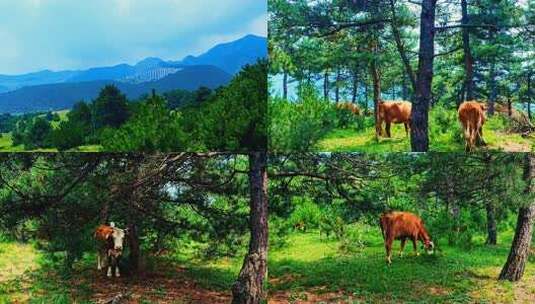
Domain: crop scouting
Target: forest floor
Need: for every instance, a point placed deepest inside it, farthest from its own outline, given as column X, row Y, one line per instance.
column 312, row 270
column 26, row 276
column 352, row 140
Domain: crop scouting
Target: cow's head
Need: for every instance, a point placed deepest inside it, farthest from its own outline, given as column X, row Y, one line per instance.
column 118, row 236
column 429, row 246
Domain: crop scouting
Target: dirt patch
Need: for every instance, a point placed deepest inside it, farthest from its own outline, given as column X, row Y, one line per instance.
column 512, row 146
column 524, row 291
column 157, row 287
column 314, row 295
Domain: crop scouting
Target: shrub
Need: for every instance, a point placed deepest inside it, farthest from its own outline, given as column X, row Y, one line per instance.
column 305, row 216
column 298, row 126
column 444, row 121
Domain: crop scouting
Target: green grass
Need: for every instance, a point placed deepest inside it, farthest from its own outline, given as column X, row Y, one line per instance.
column 28, row 276
column 311, row 266
column 6, row 144
column 351, row 140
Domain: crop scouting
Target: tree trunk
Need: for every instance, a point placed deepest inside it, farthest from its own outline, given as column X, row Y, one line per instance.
column 509, row 107
column 326, row 86
column 134, row 246
column 528, row 93
column 249, row 288
column 404, row 89
column 355, row 86
column 513, row 270
column 285, row 85
column 493, row 89
column 366, row 97
column 337, row 91
column 376, row 76
column 468, row 59
column 420, row 109
column 492, row 234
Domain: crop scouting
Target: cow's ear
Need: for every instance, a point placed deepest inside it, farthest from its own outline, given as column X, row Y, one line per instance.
column 126, row 230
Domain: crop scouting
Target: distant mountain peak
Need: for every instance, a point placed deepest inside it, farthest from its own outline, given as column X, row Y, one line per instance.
column 149, row 62
column 232, row 56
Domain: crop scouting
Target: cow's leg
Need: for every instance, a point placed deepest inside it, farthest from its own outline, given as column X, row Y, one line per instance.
column 110, row 264
column 406, row 129
column 117, row 273
column 415, row 246
column 99, row 267
column 403, row 240
column 388, row 124
column 388, row 247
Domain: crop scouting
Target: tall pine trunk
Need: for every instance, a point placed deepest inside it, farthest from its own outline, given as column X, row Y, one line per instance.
column 135, row 248
column 493, row 88
column 492, row 234
column 528, row 93
column 355, row 86
column 420, row 109
column 326, row 86
column 249, row 288
column 468, row 59
column 337, row 91
column 513, row 270
column 376, row 77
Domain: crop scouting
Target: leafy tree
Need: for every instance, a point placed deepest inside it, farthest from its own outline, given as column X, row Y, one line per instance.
column 152, row 128
column 38, row 134
column 235, row 119
column 110, row 108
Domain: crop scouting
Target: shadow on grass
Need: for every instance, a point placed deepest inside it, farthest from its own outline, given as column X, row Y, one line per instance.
column 162, row 281
column 449, row 276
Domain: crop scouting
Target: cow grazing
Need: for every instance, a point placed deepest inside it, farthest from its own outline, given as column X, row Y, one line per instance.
column 403, row 226
column 472, row 118
column 348, row 106
column 394, row 112
column 111, row 241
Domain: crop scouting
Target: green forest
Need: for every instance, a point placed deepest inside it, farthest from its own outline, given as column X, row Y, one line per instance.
column 202, row 228
column 230, row 118
column 333, row 63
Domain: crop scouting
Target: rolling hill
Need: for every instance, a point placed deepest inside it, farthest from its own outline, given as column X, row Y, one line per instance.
column 60, row 96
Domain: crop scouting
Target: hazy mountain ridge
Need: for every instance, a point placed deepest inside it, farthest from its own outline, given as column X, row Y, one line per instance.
column 229, row 57
column 63, row 95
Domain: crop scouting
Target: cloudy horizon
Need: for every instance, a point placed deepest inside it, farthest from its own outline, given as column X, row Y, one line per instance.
column 57, row 35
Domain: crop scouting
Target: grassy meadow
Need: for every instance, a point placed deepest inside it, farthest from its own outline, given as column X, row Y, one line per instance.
column 6, row 140
column 27, row 275
column 352, row 139
column 311, row 269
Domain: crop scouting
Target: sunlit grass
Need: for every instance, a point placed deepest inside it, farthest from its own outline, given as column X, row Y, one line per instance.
column 352, row 140
column 452, row 275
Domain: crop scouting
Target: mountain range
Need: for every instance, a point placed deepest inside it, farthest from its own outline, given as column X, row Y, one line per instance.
column 50, row 90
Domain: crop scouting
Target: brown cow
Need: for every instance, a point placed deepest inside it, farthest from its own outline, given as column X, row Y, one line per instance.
column 348, row 106
column 111, row 241
column 394, row 112
column 472, row 118
column 402, row 226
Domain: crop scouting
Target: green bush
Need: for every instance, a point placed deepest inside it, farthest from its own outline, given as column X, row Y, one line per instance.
column 352, row 241
column 444, row 122
column 306, row 214
column 298, row 126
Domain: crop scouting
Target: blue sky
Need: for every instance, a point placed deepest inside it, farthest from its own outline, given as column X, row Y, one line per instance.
column 77, row 34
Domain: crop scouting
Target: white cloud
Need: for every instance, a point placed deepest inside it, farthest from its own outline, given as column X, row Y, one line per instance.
column 74, row 34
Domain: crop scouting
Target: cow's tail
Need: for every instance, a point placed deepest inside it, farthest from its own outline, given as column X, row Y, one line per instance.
column 382, row 224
